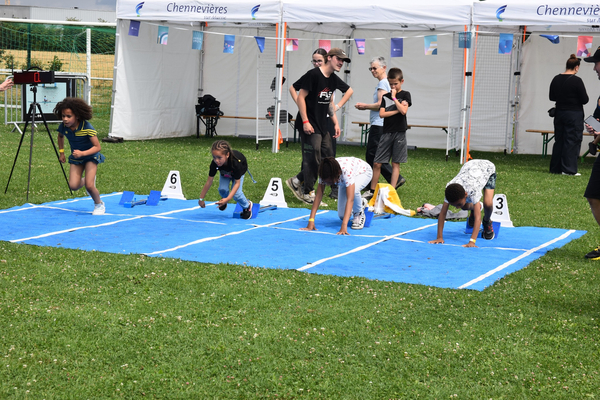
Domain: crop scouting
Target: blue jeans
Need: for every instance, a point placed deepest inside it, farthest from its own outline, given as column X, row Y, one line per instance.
column 360, row 182
column 225, row 185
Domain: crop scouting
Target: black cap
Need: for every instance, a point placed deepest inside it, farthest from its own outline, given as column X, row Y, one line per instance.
column 595, row 58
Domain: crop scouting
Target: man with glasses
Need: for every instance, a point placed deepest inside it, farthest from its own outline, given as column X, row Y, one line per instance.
column 315, row 104
column 378, row 69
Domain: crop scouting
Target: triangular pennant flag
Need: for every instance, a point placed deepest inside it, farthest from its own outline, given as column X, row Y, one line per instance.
column 360, row 45
column 505, row 43
column 553, row 38
column 260, row 41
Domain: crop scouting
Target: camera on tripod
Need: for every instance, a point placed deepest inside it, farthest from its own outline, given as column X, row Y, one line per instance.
column 33, row 77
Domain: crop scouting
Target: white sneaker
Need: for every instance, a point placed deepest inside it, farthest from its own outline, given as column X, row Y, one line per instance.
column 365, row 204
column 359, row 220
column 99, row 209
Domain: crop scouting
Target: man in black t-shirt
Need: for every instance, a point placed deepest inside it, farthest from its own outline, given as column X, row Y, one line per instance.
column 592, row 192
column 315, row 103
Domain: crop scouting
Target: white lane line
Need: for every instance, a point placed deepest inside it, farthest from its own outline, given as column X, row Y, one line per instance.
column 360, row 248
column 514, row 260
column 74, row 229
column 100, row 225
column 207, row 239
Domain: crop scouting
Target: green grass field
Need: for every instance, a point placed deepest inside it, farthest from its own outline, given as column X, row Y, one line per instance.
column 94, row 325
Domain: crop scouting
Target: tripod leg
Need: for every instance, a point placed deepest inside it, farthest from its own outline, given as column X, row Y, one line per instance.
column 31, row 108
column 53, row 145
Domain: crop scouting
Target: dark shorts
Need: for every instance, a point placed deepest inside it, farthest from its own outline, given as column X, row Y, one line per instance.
column 97, row 158
column 392, row 145
column 593, row 188
column 491, row 183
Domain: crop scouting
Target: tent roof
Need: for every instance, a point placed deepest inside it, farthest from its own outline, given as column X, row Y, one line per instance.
column 532, row 13
column 428, row 14
column 382, row 14
column 194, row 10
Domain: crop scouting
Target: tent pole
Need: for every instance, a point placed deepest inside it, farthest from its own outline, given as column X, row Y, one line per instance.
column 348, row 79
column 281, row 34
column 88, row 64
column 114, row 88
column 258, row 53
column 467, row 155
column 465, row 106
column 517, row 93
column 201, row 69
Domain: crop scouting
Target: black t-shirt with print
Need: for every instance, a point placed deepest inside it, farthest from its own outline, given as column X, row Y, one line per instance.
column 320, row 89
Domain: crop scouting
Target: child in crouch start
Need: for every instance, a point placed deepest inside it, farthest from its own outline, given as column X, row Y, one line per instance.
column 464, row 192
column 351, row 175
column 85, row 147
column 232, row 166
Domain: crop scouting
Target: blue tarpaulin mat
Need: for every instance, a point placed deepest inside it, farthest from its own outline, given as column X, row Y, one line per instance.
column 391, row 249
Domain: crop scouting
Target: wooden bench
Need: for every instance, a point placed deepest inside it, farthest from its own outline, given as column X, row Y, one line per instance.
column 364, row 129
column 210, row 122
column 546, row 138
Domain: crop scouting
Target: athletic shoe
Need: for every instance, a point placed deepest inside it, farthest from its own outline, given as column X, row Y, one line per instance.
column 312, row 199
column 222, row 207
column 593, row 148
column 594, row 254
column 401, row 181
column 368, row 194
column 364, row 204
column 247, row 212
column 306, row 198
column 471, row 220
column 359, row 220
column 296, row 187
column 575, row 174
column 488, row 230
column 99, row 209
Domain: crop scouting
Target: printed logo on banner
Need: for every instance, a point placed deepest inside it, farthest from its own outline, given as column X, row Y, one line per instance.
column 255, row 10
column 138, row 8
column 499, row 12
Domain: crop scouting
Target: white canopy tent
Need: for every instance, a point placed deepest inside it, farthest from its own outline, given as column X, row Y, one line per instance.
column 156, row 86
column 539, row 59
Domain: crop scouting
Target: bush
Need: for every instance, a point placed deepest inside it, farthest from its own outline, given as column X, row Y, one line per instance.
column 55, row 65
column 9, row 61
column 34, row 63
